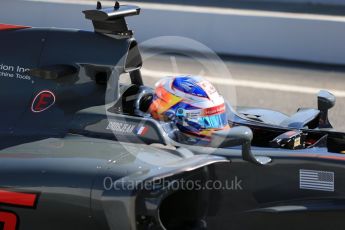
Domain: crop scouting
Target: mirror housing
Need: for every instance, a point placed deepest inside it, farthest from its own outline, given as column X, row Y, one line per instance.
column 239, row 135
column 325, row 101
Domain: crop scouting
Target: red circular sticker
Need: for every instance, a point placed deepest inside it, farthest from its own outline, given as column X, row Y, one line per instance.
column 43, row 101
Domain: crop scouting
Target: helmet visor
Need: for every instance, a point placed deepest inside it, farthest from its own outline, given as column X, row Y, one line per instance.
column 217, row 121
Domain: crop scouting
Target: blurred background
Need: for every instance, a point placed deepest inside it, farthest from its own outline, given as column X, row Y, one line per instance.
column 278, row 53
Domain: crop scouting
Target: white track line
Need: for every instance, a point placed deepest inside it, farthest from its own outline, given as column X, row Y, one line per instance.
column 204, row 10
column 250, row 84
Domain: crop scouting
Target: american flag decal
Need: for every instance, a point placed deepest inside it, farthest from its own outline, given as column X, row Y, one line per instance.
column 316, row 180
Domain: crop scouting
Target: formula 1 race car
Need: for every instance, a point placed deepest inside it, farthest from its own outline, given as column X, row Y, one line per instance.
column 73, row 156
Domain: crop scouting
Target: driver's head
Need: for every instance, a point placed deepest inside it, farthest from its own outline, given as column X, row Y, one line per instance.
column 192, row 102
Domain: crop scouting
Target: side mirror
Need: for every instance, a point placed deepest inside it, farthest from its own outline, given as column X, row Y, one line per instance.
column 235, row 136
column 325, row 101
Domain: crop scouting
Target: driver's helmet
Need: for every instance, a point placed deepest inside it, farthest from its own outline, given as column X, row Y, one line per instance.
column 192, row 103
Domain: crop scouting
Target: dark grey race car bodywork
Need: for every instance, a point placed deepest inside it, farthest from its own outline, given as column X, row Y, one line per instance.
column 62, row 151
column 52, row 179
column 85, row 183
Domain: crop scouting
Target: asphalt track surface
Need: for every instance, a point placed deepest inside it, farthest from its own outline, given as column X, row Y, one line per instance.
column 262, row 5
column 277, row 85
column 255, row 5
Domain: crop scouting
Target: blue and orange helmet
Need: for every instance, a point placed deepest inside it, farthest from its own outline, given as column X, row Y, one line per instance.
column 192, row 102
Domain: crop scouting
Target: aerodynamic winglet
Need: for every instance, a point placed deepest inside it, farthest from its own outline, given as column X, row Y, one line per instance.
column 112, row 20
column 112, row 13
